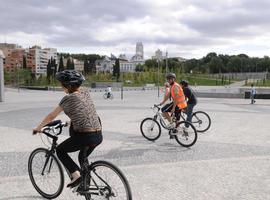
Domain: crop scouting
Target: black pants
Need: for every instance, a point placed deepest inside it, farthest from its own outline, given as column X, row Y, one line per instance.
column 77, row 142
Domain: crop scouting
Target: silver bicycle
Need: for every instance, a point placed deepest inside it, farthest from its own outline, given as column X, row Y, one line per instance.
column 182, row 131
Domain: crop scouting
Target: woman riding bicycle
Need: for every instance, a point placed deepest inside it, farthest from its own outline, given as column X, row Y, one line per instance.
column 85, row 128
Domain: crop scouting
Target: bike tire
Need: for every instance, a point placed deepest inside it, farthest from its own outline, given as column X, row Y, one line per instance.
column 93, row 172
column 191, row 128
column 195, row 117
column 55, row 161
column 142, row 128
column 105, row 96
column 111, row 96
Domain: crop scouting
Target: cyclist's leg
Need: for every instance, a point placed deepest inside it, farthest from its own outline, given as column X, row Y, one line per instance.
column 91, row 141
column 166, row 111
column 177, row 113
column 62, row 150
column 189, row 111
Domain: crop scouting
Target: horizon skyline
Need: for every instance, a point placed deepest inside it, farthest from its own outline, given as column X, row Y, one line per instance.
column 184, row 29
column 130, row 55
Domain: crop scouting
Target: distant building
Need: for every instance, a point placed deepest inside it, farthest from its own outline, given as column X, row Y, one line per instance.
column 38, row 58
column 78, row 65
column 105, row 65
column 127, row 66
column 139, row 49
column 138, row 57
column 123, row 57
column 14, row 59
column 159, row 55
column 180, row 59
column 6, row 47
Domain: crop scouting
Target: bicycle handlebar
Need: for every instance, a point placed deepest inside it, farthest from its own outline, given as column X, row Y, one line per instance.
column 57, row 124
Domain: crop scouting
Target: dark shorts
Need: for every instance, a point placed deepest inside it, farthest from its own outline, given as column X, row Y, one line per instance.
column 168, row 108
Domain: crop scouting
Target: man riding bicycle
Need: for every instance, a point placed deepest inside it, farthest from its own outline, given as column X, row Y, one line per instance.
column 178, row 97
column 191, row 99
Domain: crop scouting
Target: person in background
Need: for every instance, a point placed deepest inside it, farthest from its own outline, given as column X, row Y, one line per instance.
column 190, row 97
column 109, row 91
column 252, row 94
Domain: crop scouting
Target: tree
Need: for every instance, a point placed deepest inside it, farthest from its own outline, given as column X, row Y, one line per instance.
column 70, row 66
column 53, row 66
column 24, row 62
column 61, row 64
column 215, row 65
column 116, row 69
column 49, row 71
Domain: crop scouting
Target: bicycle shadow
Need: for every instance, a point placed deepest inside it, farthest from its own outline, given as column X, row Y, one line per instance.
column 22, row 197
column 159, row 145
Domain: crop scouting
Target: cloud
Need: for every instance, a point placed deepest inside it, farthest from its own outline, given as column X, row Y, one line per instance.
column 184, row 28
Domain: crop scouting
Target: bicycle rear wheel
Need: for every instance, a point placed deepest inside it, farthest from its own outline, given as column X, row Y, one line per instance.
column 150, row 129
column 186, row 134
column 46, row 173
column 201, row 121
column 106, row 181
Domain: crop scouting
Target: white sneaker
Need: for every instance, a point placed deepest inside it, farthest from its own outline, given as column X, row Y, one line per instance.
column 171, row 125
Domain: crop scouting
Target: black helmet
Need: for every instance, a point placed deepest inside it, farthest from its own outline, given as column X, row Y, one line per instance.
column 70, row 78
column 170, row 75
column 184, row 83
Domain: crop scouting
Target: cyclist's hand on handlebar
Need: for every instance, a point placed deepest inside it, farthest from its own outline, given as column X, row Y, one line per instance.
column 36, row 130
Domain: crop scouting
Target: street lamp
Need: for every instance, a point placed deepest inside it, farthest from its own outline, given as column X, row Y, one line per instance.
column 166, row 62
column 158, row 76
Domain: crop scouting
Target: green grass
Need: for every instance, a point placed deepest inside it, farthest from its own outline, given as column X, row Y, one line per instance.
column 140, row 79
column 261, row 83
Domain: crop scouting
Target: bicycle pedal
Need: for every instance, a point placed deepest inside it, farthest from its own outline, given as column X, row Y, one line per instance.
column 75, row 189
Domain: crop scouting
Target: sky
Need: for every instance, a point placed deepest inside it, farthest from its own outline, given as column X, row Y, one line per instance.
column 184, row 28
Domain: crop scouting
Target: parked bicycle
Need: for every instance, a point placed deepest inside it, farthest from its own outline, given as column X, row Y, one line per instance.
column 100, row 179
column 108, row 96
column 200, row 120
column 183, row 132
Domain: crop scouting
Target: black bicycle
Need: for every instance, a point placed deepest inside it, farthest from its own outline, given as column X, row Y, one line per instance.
column 108, row 96
column 100, row 179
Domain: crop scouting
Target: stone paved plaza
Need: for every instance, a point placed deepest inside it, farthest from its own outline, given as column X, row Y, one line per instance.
column 229, row 162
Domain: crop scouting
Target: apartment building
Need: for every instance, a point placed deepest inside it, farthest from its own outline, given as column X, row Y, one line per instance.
column 38, row 58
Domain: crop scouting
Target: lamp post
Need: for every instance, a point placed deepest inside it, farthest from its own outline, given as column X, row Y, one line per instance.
column 158, row 76
column 166, row 62
column 122, row 86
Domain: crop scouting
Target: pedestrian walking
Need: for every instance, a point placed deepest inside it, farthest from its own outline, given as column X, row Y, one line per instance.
column 252, row 94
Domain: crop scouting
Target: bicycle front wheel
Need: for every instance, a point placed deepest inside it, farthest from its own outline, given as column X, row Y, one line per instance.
column 46, row 173
column 150, row 129
column 111, row 96
column 186, row 134
column 106, row 181
column 201, row 121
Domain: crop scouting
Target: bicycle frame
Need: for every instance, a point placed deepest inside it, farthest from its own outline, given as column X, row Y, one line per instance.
column 159, row 115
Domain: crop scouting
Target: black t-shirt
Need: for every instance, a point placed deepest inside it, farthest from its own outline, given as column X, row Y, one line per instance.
column 190, row 95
